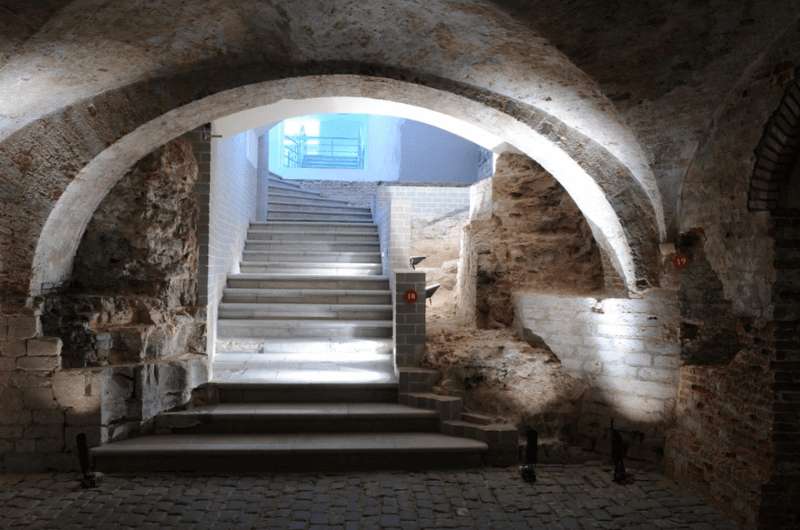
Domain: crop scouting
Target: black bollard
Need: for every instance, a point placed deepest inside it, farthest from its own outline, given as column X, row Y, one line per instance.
column 88, row 479
column 528, row 469
column 618, row 451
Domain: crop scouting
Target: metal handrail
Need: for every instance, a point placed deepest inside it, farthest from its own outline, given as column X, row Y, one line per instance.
column 335, row 152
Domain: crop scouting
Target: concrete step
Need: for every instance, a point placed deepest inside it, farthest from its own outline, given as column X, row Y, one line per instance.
column 312, row 235
column 292, row 192
column 311, row 246
column 298, row 417
column 249, row 392
column 309, row 201
column 448, row 407
column 339, row 228
column 319, row 217
column 300, row 281
column 285, row 184
column 288, row 452
column 300, row 226
column 293, row 207
column 502, row 439
column 310, row 296
column 288, row 328
column 310, row 367
column 314, row 349
column 333, row 269
column 310, row 311
column 314, row 257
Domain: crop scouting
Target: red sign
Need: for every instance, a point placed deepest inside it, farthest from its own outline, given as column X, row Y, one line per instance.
column 680, row 261
column 410, row 296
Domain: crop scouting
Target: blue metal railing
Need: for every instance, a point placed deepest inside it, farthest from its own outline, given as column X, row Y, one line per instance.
column 323, row 152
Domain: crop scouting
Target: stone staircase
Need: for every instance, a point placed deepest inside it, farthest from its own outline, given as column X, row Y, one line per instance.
column 304, row 376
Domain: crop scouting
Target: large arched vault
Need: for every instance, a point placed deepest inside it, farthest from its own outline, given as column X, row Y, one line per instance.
column 83, row 113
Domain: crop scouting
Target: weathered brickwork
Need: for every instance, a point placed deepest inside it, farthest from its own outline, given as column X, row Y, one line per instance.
column 736, row 422
column 124, row 339
column 627, row 349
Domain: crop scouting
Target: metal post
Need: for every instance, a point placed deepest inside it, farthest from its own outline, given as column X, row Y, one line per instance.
column 528, row 469
column 618, row 451
column 88, row 480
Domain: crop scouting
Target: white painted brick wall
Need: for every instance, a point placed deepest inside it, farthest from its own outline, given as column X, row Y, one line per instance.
column 395, row 206
column 627, row 348
column 232, row 207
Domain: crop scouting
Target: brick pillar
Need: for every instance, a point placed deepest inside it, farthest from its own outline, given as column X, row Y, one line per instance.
column 409, row 318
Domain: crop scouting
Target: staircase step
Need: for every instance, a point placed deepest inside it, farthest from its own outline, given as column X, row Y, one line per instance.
column 301, row 281
column 292, row 207
column 311, row 296
column 280, row 183
column 281, row 452
column 337, row 269
column 298, row 417
column 311, row 246
column 309, row 369
column 228, row 392
column 312, row 235
column 312, row 350
column 314, row 257
column 319, row 217
column 292, row 192
column 263, row 328
column 310, row 311
column 309, row 201
column 449, row 407
column 300, row 226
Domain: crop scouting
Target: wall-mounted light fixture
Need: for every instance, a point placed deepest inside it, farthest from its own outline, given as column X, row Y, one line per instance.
column 430, row 290
column 413, row 261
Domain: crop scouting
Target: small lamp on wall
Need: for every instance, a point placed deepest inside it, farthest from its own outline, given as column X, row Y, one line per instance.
column 413, row 261
column 430, row 290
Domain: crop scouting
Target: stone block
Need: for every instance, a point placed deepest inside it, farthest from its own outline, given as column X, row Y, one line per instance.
column 38, row 398
column 10, row 431
column 49, row 445
column 26, row 445
column 638, row 359
column 23, row 326
column 38, row 364
column 44, row 346
column 48, row 417
column 78, row 390
column 13, row 348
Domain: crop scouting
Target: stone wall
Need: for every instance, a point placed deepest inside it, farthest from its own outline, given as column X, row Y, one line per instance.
column 736, row 422
column 124, row 340
column 133, row 294
column 528, row 236
column 626, row 349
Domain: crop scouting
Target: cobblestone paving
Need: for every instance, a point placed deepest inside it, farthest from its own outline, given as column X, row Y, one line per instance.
column 565, row 497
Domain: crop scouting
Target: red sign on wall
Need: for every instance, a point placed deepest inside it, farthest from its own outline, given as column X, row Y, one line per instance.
column 410, row 296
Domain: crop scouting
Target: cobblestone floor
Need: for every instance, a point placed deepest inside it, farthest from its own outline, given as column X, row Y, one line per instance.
column 564, row 497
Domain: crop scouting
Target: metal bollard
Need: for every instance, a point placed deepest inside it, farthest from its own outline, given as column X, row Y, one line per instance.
column 528, row 469
column 88, row 480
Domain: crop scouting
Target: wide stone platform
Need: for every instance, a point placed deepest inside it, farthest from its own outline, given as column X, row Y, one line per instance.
column 565, row 497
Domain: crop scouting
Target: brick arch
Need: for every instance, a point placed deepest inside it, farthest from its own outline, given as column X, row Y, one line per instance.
column 64, row 164
column 777, row 153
